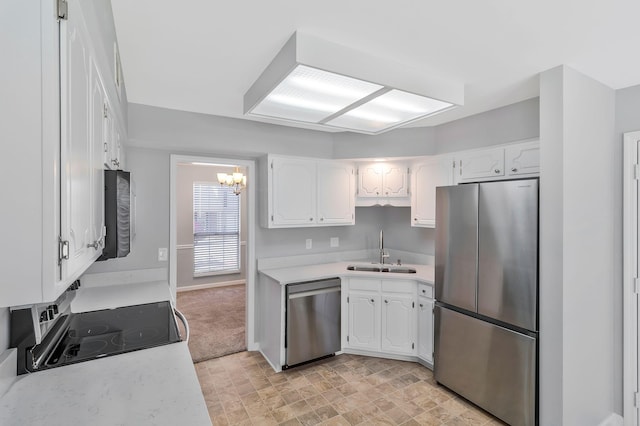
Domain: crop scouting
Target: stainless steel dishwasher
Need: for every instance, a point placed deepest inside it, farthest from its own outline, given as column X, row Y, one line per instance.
column 313, row 321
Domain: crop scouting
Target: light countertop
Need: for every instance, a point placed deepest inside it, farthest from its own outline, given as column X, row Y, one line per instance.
column 424, row 273
column 155, row 386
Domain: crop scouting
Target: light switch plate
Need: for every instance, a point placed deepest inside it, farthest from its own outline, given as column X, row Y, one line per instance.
column 308, row 243
column 334, row 242
column 162, row 254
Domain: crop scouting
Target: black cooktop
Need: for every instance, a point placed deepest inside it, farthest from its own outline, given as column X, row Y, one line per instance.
column 91, row 335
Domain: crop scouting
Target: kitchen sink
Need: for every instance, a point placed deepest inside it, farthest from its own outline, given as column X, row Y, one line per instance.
column 382, row 268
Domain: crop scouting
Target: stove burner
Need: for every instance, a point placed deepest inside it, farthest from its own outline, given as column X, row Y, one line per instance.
column 85, row 348
column 88, row 331
column 136, row 337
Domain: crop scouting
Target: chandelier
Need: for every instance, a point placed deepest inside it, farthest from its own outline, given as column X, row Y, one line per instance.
column 237, row 181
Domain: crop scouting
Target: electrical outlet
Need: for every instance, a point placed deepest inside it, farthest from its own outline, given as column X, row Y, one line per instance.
column 162, row 254
column 308, row 243
column 334, row 242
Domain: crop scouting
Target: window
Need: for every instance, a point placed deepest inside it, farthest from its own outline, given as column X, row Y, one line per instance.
column 216, row 229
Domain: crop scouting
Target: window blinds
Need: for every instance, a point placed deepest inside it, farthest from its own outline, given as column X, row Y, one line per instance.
column 216, row 229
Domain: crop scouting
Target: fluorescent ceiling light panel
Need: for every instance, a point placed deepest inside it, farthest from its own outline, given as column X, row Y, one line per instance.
column 316, row 82
column 311, row 95
column 388, row 110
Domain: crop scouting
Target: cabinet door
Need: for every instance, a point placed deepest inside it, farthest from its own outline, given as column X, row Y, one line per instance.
column 425, row 329
column 76, row 160
column 116, row 145
column 426, row 176
column 107, row 136
column 398, row 323
column 336, row 197
column 293, row 192
column 481, row 165
column 97, row 111
column 364, row 321
column 395, row 180
column 370, row 180
column 523, row 159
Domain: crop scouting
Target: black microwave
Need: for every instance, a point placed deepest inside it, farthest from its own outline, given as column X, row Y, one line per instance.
column 117, row 214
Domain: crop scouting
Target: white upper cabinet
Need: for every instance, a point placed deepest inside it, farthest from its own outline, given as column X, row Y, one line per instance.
column 97, row 111
column 292, row 191
column 56, row 233
column 496, row 163
column 523, row 159
column 336, row 188
column 305, row 192
column 426, row 175
column 76, row 148
column 383, row 183
column 481, row 164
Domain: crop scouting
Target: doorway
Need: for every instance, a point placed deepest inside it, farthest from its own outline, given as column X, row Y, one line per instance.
column 631, row 259
column 212, row 253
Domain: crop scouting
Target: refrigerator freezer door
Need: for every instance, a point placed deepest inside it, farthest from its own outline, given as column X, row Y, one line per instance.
column 489, row 365
column 508, row 252
column 457, row 245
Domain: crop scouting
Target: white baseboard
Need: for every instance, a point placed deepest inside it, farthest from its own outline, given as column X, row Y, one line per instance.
column 210, row 285
column 613, row 419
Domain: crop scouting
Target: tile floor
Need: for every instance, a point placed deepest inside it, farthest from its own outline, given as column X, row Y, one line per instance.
column 243, row 389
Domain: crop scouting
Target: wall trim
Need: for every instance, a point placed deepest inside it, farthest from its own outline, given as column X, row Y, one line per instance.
column 630, row 355
column 210, row 285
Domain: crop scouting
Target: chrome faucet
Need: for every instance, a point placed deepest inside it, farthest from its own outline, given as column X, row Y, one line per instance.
column 383, row 255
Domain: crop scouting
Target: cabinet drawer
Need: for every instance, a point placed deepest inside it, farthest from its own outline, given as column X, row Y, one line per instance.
column 364, row 284
column 390, row 286
column 425, row 290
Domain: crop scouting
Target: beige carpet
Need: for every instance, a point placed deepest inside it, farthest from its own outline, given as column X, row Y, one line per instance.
column 216, row 321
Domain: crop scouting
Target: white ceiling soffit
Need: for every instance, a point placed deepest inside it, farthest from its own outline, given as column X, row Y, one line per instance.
column 203, row 55
column 315, row 81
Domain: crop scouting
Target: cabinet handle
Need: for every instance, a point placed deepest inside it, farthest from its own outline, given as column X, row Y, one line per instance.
column 377, row 193
column 386, row 301
column 387, row 193
column 310, row 219
column 513, row 169
column 424, row 291
column 321, row 219
column 372, row 301
column 95, row 245
column 421, row 305
column 497, row 171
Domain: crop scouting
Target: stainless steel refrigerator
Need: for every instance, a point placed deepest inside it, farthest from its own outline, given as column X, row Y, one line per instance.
column 486, row 290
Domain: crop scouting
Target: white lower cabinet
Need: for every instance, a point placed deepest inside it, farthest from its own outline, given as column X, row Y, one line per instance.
column 425, row 329
column 382, row 316
column 398, row 323
column 364, row 321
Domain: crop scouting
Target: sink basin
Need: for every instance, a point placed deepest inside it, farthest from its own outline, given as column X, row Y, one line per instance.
column 399, row 269
column 382, row 268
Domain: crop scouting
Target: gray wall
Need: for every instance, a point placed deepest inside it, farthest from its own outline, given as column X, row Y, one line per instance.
column 514, row 122
column 577, row 213
column 510, row 123
column 188, row 132
column 186, row 175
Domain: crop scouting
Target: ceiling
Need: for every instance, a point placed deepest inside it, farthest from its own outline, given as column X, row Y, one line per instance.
column 203, row 55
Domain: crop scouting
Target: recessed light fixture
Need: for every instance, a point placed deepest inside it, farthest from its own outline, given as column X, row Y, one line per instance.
column 321, row 83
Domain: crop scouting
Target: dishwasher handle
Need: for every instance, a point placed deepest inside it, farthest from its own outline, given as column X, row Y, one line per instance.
column 314, row 292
